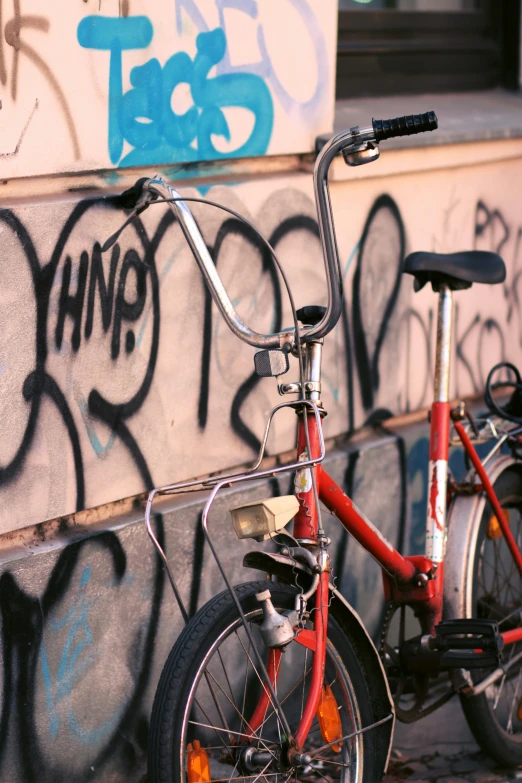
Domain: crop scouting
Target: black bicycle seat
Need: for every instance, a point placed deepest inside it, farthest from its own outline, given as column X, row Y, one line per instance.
column 458, row 270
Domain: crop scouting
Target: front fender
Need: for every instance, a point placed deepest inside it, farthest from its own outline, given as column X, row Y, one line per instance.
column 285, row 568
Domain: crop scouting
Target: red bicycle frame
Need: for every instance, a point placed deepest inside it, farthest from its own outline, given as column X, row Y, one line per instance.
column 417, row 581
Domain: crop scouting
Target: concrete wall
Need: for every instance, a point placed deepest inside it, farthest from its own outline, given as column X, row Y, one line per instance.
column 100, row 410
column 89, row 619
column 117, row 375
column 90, row 85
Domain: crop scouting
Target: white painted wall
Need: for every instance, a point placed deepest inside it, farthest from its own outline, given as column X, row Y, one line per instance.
column 90, row 85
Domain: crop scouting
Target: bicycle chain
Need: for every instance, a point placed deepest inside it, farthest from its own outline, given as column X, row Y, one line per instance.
column 417, row 712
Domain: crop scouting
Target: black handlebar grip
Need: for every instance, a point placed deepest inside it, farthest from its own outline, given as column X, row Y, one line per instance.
column 405, row 126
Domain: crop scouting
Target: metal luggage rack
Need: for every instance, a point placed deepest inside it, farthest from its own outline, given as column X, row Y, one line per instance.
column 487, row 428
column 482, row 429
column 215, row 483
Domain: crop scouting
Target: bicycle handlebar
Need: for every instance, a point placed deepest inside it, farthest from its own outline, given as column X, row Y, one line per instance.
column 144, row 190
column 208, row 268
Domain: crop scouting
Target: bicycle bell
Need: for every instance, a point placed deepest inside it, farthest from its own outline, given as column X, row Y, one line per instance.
column 364, row 153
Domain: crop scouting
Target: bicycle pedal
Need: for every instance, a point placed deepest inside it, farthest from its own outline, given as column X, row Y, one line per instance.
column 467, row 644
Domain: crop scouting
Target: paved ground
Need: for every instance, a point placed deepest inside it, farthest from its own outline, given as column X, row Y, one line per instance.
column 441, row 749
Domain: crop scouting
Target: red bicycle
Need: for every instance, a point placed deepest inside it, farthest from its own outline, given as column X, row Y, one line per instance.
column 278, row 679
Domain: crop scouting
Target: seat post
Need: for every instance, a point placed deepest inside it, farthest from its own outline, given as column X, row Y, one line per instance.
column 443, row 349
column 439, row 431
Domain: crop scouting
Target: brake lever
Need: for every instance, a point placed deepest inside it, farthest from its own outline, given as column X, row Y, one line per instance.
column 144, row 201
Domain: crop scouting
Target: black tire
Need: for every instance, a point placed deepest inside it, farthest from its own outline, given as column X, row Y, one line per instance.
column 497, row 591
column 181, row 701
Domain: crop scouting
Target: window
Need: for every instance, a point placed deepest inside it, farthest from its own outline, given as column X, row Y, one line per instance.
column 388, row 47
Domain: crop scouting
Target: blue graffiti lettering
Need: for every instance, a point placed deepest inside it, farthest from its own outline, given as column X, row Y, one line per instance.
column 143, row 116
column 100, row 450
column 78, row 655
column 115, row 35
column 307, row 111
column 195, row 14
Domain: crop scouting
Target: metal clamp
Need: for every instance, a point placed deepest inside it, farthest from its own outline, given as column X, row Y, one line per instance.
column 295, row 388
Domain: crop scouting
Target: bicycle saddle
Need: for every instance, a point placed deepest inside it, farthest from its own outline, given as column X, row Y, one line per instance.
column 457, row 270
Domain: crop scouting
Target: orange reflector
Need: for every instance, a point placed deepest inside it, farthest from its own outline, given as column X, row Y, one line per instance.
column 519, row 710
column 329, row 718
column 198, row 768
column 494, row 530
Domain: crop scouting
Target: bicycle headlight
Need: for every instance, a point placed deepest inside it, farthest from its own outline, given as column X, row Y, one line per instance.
column 262, row 518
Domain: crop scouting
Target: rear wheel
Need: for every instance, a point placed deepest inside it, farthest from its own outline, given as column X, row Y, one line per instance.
column 210, row 687
column 495, row 716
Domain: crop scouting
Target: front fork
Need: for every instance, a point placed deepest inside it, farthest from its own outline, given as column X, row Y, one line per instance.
column 306, row 532
column 319, row 661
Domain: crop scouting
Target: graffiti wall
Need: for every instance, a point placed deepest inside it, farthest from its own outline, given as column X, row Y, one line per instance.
column 117, row 372
column 87, row 628
column 88, row 625
column 90, row 85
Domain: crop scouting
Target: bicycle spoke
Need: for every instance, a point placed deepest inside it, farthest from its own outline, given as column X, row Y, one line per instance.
column 509, row 727
column 262, row 773
column 330, row 761
column 353, row 734
column 518, row 611
column 495, row 555
column 501, row 686
column 233, row 771
column 276, row 678
column 216, row 728
column 260, row 679
column 215, row 700
column 246, row 680
column 303, row 679
column 240, row 715
column 247, row 777
column 226, row 677
column 321, row 774
column 287, row 695
column 198, row 705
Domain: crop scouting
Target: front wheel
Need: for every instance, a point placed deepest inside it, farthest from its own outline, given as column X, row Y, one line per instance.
column 210, row 687
column 495, row 592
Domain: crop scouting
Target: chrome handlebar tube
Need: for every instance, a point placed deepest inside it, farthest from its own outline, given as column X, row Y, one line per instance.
column 208, row 268
column 343, row 142
column 346, row 141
